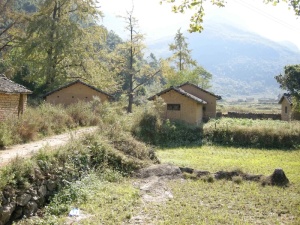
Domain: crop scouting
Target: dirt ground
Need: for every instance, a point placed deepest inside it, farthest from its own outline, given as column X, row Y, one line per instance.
column 26, row 150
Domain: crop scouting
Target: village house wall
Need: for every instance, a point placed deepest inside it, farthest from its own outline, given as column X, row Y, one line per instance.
column 74, row 93
column 12, row 104
column 286, row 110
column 190, row 111
column 210, row 108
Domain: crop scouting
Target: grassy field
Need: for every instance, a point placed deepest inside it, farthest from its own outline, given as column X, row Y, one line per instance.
column 245, row 107
column 111, row 199
column 227, row 202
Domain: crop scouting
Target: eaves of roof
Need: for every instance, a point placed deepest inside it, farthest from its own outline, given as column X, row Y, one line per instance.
column 286, row 96
column 9, row 87
column 218, row 97
column 74, row 82
column 180, row 91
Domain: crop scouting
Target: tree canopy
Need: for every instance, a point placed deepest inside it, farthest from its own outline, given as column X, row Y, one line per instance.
column 290, row 80
column 128, row 57
column 196, row 20
column 61, row 43
column 181, row 67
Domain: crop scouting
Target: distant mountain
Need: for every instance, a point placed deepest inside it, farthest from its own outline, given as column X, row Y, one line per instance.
column 242, row 63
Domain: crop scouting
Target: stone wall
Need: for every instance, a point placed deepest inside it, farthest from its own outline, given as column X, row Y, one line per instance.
column 255, row 116
column 16, row 203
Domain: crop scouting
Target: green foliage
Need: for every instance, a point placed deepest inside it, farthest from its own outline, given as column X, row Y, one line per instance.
column 5, row 135
column 128, row 58
column 18, row 173
column 83, row 114
column 182, row 55
column 46, row 119
column 186, row 69
column 150, row 128
column 198, row 76
column 291, row 80
column 111, row 147
column 12, row 23
column 61, row 43
column 197, row 7
column 218, row 202
column 252, row 133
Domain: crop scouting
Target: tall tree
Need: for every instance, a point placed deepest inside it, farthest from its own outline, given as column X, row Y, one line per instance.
column 14, row 16
column 130, row 58
column 181, row 52
column 198, row 9
column 186, row 69
column 290, row 80
column 61, row 43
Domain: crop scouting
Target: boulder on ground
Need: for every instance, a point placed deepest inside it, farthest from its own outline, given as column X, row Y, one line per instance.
column 159, row 170
column 279, row 178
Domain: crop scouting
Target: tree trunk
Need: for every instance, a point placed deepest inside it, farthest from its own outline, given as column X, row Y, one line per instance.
column 130, row 91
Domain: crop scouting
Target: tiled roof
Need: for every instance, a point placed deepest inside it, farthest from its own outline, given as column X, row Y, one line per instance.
column 286, row 96
column 218, row 97
column 180, row 91
column 74, row 82
column 10, row 87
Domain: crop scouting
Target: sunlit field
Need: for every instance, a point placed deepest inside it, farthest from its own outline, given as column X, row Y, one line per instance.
column 229, row 202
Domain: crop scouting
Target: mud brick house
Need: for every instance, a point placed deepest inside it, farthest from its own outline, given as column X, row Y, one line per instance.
column 13, row 97
column 287, row 113
column 188, row 103
column 210, row 109
column 74, row 92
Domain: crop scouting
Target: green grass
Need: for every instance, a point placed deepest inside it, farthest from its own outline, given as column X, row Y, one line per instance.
column 107, row 198
column 253, row 133
column 99, row 201
column 245, row 107
column 227, row 202
column 215, row 158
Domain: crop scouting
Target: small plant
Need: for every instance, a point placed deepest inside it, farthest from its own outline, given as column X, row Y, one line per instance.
column 190, row 176
column 208, row 178
column 110, row 175
column 237, row 179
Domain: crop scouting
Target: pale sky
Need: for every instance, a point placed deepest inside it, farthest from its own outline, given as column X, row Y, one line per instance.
column 156, row 21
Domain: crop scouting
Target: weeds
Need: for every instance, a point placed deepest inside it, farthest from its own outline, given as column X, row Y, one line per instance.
column 252, row 133
column 150, row 128
column 46, row 119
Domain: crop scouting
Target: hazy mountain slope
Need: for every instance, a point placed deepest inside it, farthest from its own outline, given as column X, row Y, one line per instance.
column 242, row 63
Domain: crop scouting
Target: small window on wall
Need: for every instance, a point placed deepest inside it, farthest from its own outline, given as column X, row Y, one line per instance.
column 285, row 109
column 175, row 107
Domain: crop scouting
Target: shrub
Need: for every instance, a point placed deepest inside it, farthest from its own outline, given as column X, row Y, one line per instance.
column 5, row 135
column 167, row 133
column 82, row 114
column 253, row 133
column 47, row 119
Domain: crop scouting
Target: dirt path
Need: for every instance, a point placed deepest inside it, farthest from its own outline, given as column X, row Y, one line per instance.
column 26, row 150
